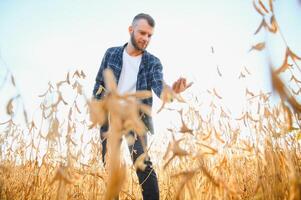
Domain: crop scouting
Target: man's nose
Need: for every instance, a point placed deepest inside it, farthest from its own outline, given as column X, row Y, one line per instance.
column 145, row 38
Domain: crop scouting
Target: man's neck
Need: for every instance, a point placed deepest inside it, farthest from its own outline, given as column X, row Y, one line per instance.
column 132, row 51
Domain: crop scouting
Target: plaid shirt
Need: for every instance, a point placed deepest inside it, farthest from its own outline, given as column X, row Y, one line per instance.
column 150, row 76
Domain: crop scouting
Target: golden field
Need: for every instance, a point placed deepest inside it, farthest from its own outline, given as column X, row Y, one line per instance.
column 56, row 154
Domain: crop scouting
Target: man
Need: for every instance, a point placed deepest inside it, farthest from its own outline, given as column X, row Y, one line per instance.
column 136, row 69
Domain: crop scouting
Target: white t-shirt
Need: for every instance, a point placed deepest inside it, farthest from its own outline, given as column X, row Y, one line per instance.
column 129, row 72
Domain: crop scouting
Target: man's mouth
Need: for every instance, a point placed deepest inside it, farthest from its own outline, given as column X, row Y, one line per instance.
column 143, row 44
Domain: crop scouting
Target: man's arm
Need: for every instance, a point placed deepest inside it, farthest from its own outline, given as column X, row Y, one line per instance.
column 99, row 81
column 157, row 78
column 158, row 84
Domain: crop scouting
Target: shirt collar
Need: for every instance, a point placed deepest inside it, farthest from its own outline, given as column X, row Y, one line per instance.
column 144, row 55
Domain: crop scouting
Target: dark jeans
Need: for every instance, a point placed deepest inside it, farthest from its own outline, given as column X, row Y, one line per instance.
column 148, row 177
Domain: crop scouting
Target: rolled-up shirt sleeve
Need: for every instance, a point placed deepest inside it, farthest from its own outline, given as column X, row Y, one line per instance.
column 157, row 77
column 99, row 81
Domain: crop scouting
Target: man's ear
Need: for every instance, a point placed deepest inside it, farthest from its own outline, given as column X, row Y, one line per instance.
column 130, row 29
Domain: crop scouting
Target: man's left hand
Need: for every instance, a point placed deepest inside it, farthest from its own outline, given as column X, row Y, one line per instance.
column 180, row 85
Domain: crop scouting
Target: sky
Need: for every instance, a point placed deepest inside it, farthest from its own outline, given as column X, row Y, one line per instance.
column 40, row 41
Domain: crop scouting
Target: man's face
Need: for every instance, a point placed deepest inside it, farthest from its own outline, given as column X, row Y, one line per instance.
column 141, row 33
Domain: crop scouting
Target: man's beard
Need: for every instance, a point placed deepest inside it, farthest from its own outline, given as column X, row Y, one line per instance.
column 134, row 43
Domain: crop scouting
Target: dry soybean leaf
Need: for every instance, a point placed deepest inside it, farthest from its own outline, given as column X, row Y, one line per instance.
column 274, row 26
column 61, row 98
column 140, row 94
column 294, row 103
column 224, row 114
column 218, row 71
column 116, row 179
column 25, row 116
column 50, row 86
column 130, row 139
column 98, row 112
column 166, row 96
column 263, row 6
column 260, row 46
column 241, row 75
column 289, row 117
column 266, row 113
column 293, row 78
column 246, row 69
column 297, row 92
column 293, row 55
column 59, row 84
column 61, row 175
column 145, row 109
column 186, row 177
column 82, row 74
column 9, row 107
column 13, row 80
column 79, row 89
column 184, row 128
column 298, row 136
column 54, row 130
column 279, row 86
column 213, row 150
column 110, row 81
column 216, row 94
column 76, row 73
column 262, row 24
column 68, row 78
column 76, row 106
column 257, row 8
column 271, row 5
column 74, row 85
column 218, row 137
column 70, row 114
column 285, row 64
column 175, row 149
column 248, row 92
column 207, row 136
column 249, row 116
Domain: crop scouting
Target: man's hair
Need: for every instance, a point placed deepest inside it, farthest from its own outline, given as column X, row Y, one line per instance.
column 147, row 17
